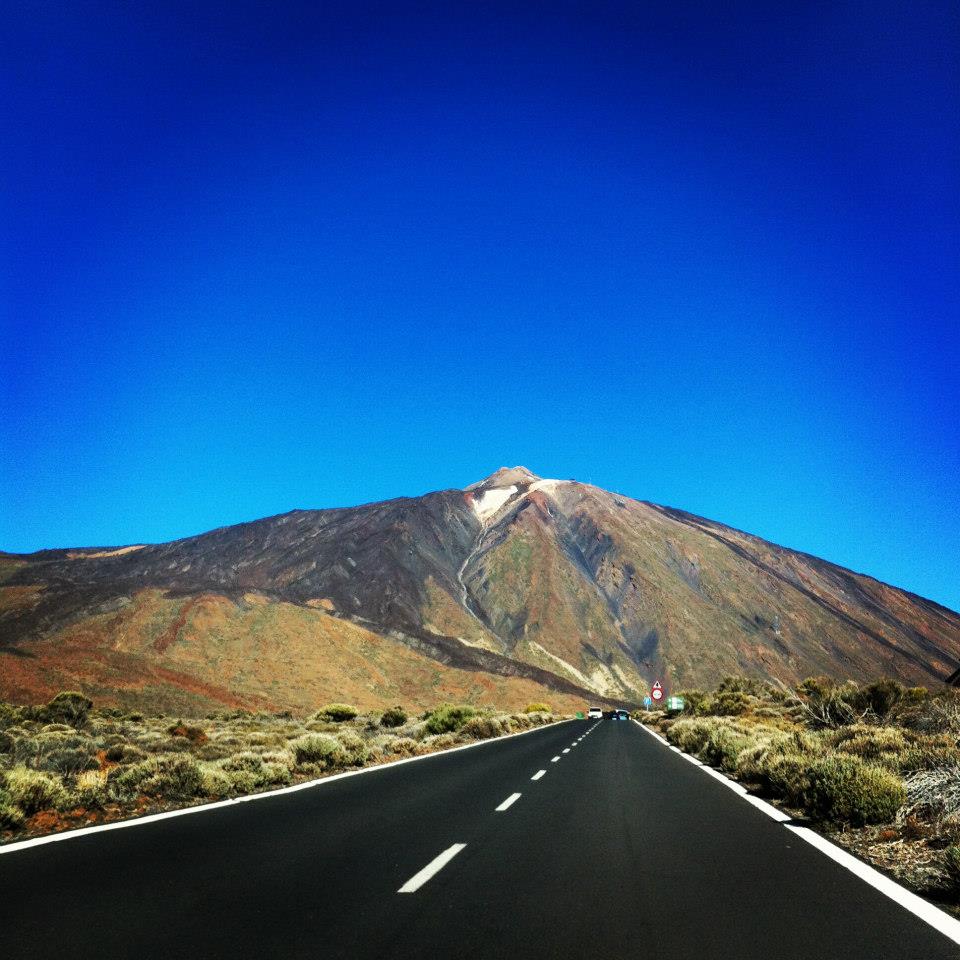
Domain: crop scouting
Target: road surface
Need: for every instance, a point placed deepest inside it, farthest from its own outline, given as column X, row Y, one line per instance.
column 619, row 849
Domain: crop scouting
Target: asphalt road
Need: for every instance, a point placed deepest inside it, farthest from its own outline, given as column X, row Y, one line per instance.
column 620, row 849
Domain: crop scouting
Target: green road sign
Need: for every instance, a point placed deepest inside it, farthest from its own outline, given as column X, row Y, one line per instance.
column 579, row 714
column 675, row 703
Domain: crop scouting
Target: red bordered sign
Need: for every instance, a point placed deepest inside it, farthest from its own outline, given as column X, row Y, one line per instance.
column 657, row 691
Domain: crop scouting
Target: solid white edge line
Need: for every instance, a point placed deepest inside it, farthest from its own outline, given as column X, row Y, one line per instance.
column 767, row 808
column 433, row 867
column 509, row 802
column 538, row 774
column 220, row 804
column 937, row 918
column 930, row 914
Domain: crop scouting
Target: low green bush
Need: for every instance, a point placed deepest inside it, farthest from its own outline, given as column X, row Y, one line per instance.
column 724, row 745
column 354, row 749
column 317, row 748
column 448, row 718
column 393, row 717
column 336, row 712
column 874, row 742
column 214, row 782
column 848, row 790
column 690, row 734
column 68, row 707
column 68, row 762
column 32, row 790
column 174, row 776
column 124, row 753
column 537, row 707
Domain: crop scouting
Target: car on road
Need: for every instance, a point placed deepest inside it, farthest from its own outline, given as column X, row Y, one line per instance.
column 594, row 713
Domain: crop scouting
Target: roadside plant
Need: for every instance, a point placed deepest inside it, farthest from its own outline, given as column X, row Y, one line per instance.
column 32, row 790
column 336, row 712
column 448, row 718
column 393, row 717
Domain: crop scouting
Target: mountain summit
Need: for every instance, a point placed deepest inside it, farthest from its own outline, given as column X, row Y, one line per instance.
column 513, row 587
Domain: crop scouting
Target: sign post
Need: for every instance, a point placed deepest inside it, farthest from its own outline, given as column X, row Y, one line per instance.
column 657, row 691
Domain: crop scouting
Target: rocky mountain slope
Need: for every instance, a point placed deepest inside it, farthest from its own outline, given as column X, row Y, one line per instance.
column 513, row 588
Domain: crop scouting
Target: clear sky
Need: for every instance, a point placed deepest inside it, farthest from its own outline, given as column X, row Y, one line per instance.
column 259, row 256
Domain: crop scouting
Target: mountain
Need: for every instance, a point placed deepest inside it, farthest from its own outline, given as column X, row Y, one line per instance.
column 512, row 589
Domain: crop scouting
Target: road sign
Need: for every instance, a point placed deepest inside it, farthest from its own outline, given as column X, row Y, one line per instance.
column 647, row 703
column 675, row 703
column 657, row 692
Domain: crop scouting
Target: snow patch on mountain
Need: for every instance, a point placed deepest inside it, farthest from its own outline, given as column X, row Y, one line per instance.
column 548, row 485
column 490, row 501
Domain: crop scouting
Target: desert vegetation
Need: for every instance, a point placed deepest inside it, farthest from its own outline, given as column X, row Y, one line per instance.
column 876, row 766
column 65, row 764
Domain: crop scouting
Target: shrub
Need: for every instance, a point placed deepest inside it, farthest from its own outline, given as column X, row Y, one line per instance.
column 68, row 707
column 442, row 741
column 404, row 746
column 690, row 734
column 192, row 734
column 175, row 776
column 482, row 728
column 11, row 816
column 723, row 745
column 880, row 697
column 317, row 748
column 214, row 782
column 874, row 742
column 692, row 699
column 787, row 775
column 538, row 707
column 69, row 762
column 336, row 712
column 726, row 703
column 393, row 717
column 354, row 750
column 124, row 753
column 250, row 762
column 845, row 789
column 448, row 718
column 951, row 865
column 32, row 790
column 926, row 757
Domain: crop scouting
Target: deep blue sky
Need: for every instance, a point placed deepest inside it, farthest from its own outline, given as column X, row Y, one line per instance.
column 271, row 256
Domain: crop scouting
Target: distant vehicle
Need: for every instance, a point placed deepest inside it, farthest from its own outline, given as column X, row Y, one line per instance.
column 594, row 713
column 622, row 715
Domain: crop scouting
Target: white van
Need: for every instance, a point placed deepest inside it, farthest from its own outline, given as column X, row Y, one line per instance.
column 595, row 713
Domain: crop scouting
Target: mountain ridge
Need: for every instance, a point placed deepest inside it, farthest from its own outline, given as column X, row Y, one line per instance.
column 561, row 585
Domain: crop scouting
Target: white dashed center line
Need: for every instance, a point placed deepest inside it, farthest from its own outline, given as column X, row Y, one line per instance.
column 509, row 802
column 554, row 759
column 433, row 867
column 538, row 774
column 566, row 750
